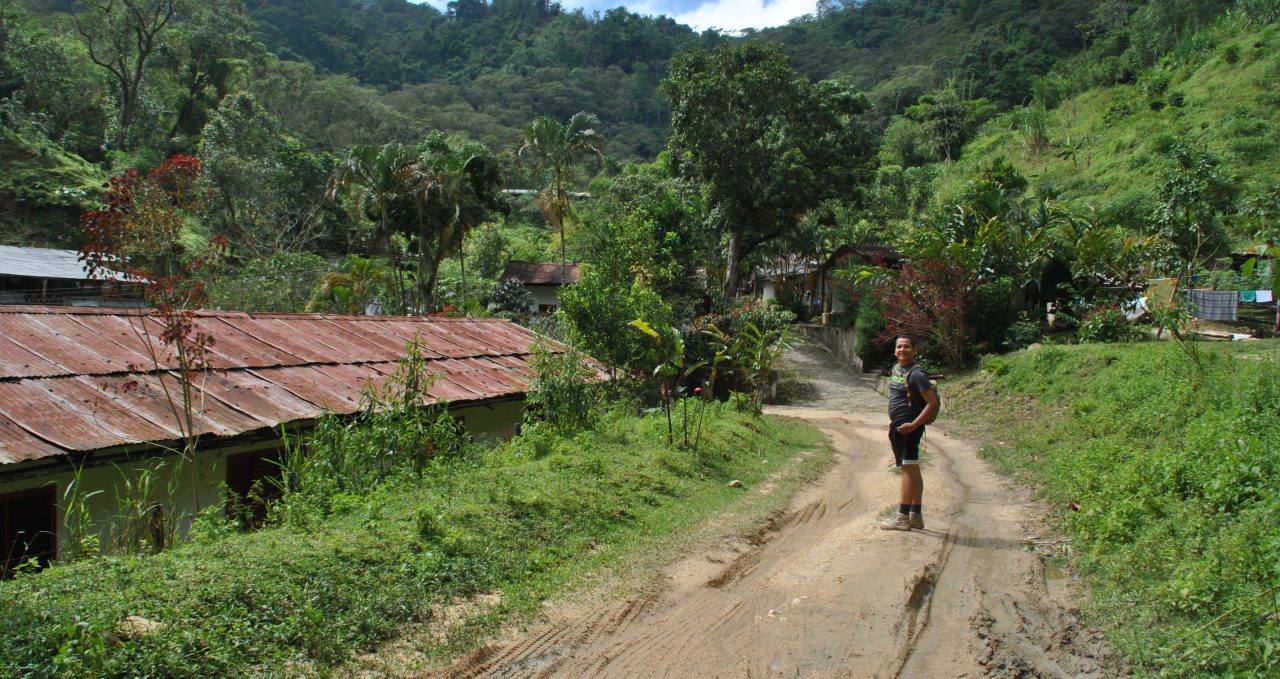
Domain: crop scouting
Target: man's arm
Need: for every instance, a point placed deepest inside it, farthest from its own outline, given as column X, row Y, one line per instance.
column 930, row 407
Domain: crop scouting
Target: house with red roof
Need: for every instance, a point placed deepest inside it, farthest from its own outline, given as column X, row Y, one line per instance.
column 83, row 397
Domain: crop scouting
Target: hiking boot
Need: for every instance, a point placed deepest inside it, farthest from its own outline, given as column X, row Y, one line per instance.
column 896, row 522
column 916, row 521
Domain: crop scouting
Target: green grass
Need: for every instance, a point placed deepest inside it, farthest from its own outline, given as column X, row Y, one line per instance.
column 523, row 521
column 1175, row 469
column 1230, row 109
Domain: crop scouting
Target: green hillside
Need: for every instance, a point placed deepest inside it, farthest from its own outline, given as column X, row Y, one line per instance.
column 1113, row 148
column 40, row 173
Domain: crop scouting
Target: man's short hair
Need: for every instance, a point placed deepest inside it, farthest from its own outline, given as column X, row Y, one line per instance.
column 906, row 337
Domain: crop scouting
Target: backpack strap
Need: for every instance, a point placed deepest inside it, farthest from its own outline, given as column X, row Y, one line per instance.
column 914, row 396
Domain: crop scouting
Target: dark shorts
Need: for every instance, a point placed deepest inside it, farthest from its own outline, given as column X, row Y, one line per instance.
column 906, row 447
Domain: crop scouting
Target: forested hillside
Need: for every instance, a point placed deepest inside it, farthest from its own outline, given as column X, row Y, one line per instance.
column 324, row 76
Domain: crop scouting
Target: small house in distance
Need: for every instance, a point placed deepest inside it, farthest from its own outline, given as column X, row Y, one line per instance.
column 49, row 276
column 543, row 280
column 82, row 399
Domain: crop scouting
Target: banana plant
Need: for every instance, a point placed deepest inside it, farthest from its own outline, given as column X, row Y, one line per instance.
column 670, row 371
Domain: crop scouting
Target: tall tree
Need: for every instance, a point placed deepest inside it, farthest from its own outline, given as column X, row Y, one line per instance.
column 122, row 35
column 214, row 46
column 431, row 194
column 767, row 144
column 947, row 120
column 370, row 180
column 556, row 148
column 449, row 188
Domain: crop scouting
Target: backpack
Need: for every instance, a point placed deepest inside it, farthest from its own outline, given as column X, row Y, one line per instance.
column 914, row 397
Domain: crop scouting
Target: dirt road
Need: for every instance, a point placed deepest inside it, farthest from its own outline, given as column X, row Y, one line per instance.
column 820, row 591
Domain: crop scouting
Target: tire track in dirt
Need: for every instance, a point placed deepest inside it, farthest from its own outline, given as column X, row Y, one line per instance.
column 819, row 591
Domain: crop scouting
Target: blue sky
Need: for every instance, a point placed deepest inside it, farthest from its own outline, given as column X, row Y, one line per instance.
column 728, row 15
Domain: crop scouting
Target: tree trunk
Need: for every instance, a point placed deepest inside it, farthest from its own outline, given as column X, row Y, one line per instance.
column 731, row 269
column 394, row 255
column 423, row 288
column 462, row 264
column 432, row 274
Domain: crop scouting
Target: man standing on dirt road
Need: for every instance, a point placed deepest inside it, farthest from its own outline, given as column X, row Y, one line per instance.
column 912, row 402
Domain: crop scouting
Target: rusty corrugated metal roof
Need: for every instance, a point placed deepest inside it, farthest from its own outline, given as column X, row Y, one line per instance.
column 84, row 379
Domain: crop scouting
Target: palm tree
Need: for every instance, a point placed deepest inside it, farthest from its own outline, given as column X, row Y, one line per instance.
column 452, row 187
column 351, row 288
column 369, row 179
column 556, row 148
column 430, row 193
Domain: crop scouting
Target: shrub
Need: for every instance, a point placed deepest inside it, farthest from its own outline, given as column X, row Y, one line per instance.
column 992, row 312
column 995, row 365
column 929, row 300
column 565, row 391
column 511, row 297
column 866, row 327
column 769, row 318
column 1117, row 112
column 598, row 312
column 394, row 434
column 1021, row 334
column 1106, row 323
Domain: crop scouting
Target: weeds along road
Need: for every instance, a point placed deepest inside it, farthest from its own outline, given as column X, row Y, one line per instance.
column 820, row 591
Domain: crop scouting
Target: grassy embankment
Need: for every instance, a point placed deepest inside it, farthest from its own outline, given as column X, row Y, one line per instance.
column 43, row 190
column 524, row 521
column 1175, row 469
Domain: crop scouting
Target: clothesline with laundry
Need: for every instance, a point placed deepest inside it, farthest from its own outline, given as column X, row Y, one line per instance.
column 1223, row 305
column 1210, row 305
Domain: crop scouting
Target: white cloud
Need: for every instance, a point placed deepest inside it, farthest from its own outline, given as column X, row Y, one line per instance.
column 727, row 15
column 734, row 15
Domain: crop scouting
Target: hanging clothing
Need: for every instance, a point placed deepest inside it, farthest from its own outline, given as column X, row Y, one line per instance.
column 1248, row 296
column 1263, row 296
column 1214, row 305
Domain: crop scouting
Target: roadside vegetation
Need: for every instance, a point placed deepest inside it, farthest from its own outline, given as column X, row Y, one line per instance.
column 369, row 544
column 1164, row 471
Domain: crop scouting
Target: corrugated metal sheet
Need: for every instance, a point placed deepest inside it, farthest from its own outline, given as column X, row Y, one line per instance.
column 83, row 379
column 42, row 263
column 17, row 444
column 17, row 361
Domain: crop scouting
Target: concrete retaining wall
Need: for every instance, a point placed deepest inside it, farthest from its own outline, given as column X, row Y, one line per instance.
column 841, row 342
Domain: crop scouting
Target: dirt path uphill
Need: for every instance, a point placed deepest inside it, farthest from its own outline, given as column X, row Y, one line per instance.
column 820, row 591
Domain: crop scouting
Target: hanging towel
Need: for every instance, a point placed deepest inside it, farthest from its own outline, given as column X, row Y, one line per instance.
column 1263, row 296
column 1214, row 305
column 1248, row 295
